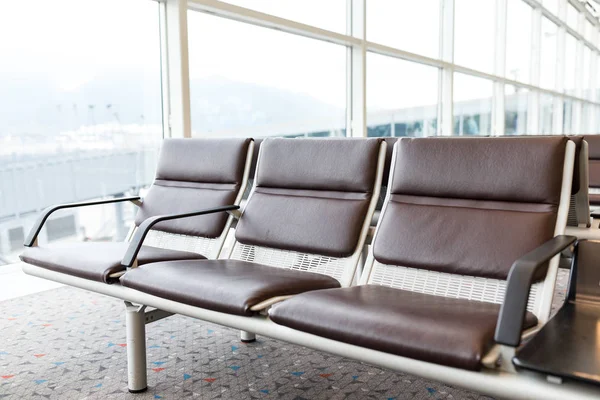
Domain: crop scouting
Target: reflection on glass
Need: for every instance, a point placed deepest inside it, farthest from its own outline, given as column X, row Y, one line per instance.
column 472, row 105
column 570, row 63
column 546, row 114
column 330, row 14
column 405, row 24
column 402, row 97
column 80, row 114
column 248, row 81
column 548, row 54
column 518, row 40
column 516, row 103
column 474, row 34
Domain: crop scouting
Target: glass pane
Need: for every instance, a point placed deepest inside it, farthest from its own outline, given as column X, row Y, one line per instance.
column 551, row 5
column 570, row 63
column 587, row 117
column 330, row 14
column 516, row 103
column 402, row 97
column 474, row 24
column 546, row 114
column 572, row 16
column 405, row 24
column 518, row 40
column 250, row 81
column 589, row 30
column 80, row 114
column 568, row 117
column 472, row 105
column 548, row 56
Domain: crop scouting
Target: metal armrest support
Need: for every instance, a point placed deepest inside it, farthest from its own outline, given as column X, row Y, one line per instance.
column 510, row 321
column 140, row 234
column 37, row 227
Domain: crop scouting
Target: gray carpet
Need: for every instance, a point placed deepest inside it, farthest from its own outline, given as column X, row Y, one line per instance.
column 67, row 343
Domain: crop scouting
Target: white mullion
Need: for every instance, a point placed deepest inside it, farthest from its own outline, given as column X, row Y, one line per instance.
column 533, row 109
column 177, row 59
column 358, row 109
column 498, row 103
column 446, row 127
column 164, row 50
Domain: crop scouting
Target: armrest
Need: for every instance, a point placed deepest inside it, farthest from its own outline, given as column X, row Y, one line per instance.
column 140, row 234
column 37, row 227
column 512, row 312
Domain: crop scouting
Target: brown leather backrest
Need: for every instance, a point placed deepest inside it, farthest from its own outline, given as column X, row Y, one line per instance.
column 192, row 175
column 470, row 206
column 594, row 159
column 310, row 195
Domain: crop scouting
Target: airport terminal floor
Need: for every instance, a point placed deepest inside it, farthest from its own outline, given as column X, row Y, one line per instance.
column 187, row 358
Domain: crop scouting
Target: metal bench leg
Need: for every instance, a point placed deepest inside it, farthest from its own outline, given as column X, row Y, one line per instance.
column 136, row 348
column 247, row 337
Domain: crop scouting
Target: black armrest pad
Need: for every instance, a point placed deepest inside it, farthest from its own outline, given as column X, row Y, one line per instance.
column 140, row 234
column 37, row 227
column 520, row 277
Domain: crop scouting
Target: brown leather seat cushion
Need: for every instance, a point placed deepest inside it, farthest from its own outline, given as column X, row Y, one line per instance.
column 453, row 332
column 96, row 260
column 228, row 286
column 595, row 199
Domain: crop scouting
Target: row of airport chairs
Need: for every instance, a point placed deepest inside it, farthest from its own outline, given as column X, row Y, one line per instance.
column 461, row 268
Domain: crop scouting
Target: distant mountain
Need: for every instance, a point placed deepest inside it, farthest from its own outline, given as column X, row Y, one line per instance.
column 35, row 107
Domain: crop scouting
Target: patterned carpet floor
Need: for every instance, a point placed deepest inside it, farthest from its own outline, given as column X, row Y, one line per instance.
column 67, row 343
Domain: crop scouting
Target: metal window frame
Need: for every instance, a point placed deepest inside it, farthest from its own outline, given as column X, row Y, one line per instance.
column 174, row 46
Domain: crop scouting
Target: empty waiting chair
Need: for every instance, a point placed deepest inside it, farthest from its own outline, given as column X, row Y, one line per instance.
column 303, row 228
column 192, row 174
column 579, row 210
column 458, row 213
column 594, row 168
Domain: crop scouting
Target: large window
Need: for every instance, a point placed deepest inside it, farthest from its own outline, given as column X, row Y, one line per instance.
column 255, row 82
column 82, row 107
column 402, row 99
column 405, row 24
column 474, row 34
column 80, row 113
column 472, row 105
